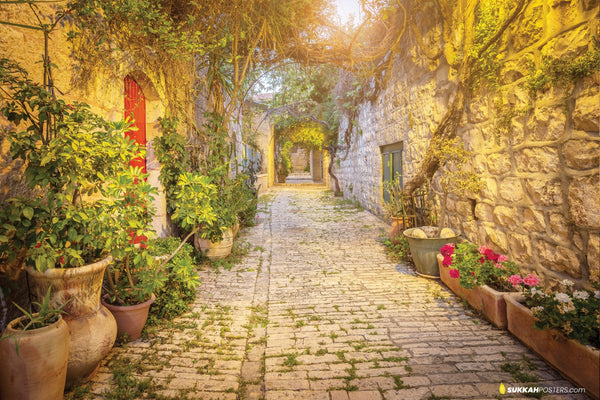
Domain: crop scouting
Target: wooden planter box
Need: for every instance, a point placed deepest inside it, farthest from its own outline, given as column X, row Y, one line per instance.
column 577, row 362
column 482, row 298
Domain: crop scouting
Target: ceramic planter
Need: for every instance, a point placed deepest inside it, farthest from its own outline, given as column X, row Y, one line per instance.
column 482, row 298
column 38, row 370
column 398, row 226
column 130, row 319
column 92, row 327
column 577, row 362
column 215, row 250
column 424, row 252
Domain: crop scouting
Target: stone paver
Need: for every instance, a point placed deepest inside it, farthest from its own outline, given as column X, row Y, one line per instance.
column 317, row 311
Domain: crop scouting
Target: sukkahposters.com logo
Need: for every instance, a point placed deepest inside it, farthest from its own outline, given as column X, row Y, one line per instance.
column 540, row 389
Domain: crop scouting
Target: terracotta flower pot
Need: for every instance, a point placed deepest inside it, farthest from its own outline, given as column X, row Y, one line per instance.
column 130, row 319
column 482, row 298
column 215, row 250
column 92, row 327
column 579, row 363
column 398, row 226
column 38, row 369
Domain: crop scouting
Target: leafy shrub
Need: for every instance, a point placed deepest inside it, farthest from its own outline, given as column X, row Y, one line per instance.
column 179, row 290
column 400, row 251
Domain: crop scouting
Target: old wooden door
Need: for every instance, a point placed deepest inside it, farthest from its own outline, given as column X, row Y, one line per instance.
column 135, row 107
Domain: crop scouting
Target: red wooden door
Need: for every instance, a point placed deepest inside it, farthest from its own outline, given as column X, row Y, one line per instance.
column 135, row 107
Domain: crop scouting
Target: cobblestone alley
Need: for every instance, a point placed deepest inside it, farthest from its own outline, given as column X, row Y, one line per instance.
column 316, row 310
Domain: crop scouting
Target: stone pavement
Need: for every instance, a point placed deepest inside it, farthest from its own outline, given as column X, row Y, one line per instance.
column 316, row 310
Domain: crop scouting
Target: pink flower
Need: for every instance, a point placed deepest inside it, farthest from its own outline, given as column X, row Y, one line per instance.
column 515, row 280
column 454, row 273
column 531, row 280
column 482, row 249
column 447, row 261
column 498, row 265
column 448, row 249
column 502, row 258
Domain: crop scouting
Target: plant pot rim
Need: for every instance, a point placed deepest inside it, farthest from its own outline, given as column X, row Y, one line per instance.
column 14, row 331
column 127, row 308
column 515, row 298
column 407, row 233
column 59, row 272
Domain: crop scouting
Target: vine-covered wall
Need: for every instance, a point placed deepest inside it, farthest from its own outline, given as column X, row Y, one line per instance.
column 532, row 128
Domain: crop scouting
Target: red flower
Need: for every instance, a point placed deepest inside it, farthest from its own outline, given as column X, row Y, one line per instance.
column 447, row 261
column 38, row 245
column 454, row 273
column 62, row 260
column 490, row 255
column 447, row 250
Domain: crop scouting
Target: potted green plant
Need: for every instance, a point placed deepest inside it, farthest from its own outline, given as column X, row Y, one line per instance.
column 215, row 241
column 34, row 353
column 453, row 177
column 394, row 208
column 195, row 198
column 135, row 274
column 478, row 275
column 58, row 235
column 560, row 325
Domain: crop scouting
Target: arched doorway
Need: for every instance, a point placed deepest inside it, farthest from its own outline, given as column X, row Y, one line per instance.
column 135, row 108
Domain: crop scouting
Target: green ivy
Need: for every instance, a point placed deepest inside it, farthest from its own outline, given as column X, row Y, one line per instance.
column 489, row 18
column 179, row 291
column 561, row 72
column 173, row 158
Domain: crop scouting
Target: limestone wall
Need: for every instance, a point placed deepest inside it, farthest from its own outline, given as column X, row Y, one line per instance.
column 541, row 206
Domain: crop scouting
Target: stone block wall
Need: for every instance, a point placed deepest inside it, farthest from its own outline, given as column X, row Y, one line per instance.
column 541, row 204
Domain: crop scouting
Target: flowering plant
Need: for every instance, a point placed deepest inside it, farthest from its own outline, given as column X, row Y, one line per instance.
column 574, row 312
column 478, row 266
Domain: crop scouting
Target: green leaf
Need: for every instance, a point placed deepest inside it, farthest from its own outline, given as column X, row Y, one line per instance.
column 28, row 212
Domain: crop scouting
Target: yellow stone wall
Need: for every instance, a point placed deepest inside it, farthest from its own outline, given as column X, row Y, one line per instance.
column 541, row 206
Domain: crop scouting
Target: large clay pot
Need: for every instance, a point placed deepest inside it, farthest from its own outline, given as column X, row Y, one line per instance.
column 93, row 328
column 37, row 369
column 482, row 298
column 215, row 250
column 398, row 226
column 130, row 319
column 579, row 363
column 424, row 251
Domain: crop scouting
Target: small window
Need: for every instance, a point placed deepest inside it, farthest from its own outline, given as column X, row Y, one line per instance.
column 391, row 157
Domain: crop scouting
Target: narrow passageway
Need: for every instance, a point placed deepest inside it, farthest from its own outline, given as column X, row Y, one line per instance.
column 316, row 310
